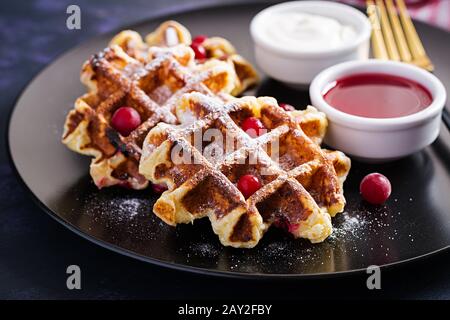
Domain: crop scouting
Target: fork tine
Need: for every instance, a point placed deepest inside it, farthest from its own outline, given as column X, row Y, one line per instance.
column 378, row 46
column 403, row 49
column 387, row 32
column 417, row 49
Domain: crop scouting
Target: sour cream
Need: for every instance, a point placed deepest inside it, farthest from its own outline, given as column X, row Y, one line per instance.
column 306, row 32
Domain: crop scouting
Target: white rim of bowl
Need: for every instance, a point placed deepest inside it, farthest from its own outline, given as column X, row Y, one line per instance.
column 362, row 35
column 426, row 79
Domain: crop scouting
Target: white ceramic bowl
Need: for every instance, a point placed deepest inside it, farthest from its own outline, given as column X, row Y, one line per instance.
column 379, row 140
column 296, row 67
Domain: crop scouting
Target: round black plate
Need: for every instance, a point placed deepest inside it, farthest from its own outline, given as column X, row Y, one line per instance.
column 414, row 222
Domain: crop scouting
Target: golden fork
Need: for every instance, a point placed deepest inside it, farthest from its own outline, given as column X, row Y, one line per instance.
column 393, row 34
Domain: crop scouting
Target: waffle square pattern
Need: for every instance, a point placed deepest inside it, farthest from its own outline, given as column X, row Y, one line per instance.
column 115, row 79
column 148, row 76
column 202, row 158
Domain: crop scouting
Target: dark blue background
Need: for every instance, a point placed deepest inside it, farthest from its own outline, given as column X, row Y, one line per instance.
column 35, row 250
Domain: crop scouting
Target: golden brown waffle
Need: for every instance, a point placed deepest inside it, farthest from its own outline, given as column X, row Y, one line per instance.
column 168, row 34
column 116, row 79
column 172, row 33
column 222, row 49
column 300, row 186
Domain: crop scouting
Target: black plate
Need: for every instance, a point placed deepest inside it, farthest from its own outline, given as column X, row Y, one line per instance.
column 414, row 222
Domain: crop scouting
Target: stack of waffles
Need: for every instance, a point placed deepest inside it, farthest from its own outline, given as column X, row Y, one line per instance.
column 191, row 139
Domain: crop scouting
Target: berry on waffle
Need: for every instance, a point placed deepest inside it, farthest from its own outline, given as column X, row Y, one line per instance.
column 293, row 182
column 117, row 80
column 172, row 33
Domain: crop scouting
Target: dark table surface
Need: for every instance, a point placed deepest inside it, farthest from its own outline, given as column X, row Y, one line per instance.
column 35, row 250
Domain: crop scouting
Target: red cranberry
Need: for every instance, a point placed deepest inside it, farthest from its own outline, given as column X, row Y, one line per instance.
column 375, row 188
column 125, row 120
column 159, row 188
column 253, row 127
column 293, row 227
column 199, row 50
column 199, row 38
column 283, row 223
column 248, row 184
column 287, row 107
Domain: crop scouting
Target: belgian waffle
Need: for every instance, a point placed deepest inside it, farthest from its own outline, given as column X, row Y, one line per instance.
column 222, row 49
column 115, row 79
column 301, row 183
column 172, row 33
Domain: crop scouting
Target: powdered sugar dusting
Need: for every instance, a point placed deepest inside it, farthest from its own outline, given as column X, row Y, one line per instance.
column 118, row 209
column 350, row 225
column 204, row 250
column 129, row 207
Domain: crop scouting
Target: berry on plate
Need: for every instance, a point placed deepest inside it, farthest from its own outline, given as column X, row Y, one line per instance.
column 375, row 188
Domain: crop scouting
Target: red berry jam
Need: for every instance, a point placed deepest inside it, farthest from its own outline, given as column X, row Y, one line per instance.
column 253, row 127
column 287, row 107
column 125, row 120
column 248, row 184
column 199, row 50
column 373, row 95
column 375, row 188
